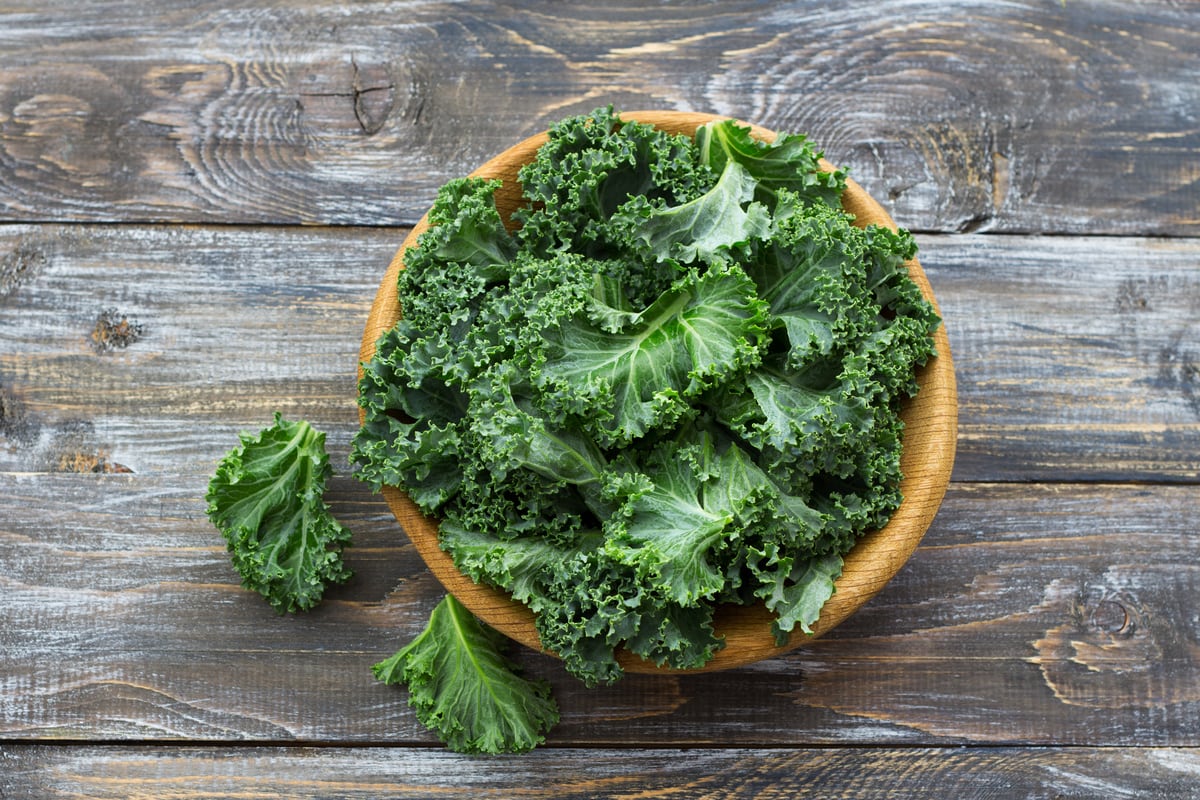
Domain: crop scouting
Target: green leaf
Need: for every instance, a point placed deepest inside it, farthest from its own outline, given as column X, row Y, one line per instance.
column 667, row 530
column 466, row 690
column 515, row 437
column 796, row 593
column 704, row 329
column 765, row 506
column 464, row 228
column 591, row 165
column 678, row 636
column 266, row 500
column 523, row 566
column 704, row 229
column 800, row 418
column 811, row 274
column 789, row 163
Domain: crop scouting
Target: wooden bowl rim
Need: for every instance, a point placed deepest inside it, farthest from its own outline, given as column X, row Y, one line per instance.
column 931, row 424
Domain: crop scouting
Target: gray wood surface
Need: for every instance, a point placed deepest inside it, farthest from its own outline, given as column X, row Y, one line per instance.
column 1020, row 619
column 1066, row 371
column 52, row 772
column 1038, row 116
column 198, row 200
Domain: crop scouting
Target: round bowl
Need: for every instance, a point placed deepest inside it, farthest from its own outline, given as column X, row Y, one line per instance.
column 931, row 423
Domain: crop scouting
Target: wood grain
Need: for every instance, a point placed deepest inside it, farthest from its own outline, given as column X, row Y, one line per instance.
column 48, row 772
column 1082, row 355
column 1027, row 116
column 1066, row 371
column 1020, row 619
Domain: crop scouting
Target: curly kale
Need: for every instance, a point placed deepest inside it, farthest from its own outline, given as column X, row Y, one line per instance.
column 463, row 687
column 266, row 499
column 676, row 385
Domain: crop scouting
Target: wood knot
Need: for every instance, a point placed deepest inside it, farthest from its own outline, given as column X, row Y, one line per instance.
column 1179, row 371
column 69, row 139
column 99, row 462
column 1139, row 295
column 18, row 268
column 374, row 97
column 73, row 448
column 346, row 99
column 17, row 425
column 1111, row 617
column 115, row 331
column 1111, row 650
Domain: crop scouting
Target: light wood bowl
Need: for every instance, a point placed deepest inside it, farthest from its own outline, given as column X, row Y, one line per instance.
column 931, row 424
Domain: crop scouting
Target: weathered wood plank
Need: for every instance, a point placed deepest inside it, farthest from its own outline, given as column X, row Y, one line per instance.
column 46, row 773
column 1031, row 614
column 224, row 325
column 1026, row 116
column 1075, row 358
column 133, row 347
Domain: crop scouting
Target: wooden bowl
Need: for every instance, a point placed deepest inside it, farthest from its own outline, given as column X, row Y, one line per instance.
column 931, row 423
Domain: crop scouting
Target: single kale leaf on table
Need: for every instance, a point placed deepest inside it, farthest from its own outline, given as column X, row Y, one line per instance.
column 462, row 686
column 267, row 499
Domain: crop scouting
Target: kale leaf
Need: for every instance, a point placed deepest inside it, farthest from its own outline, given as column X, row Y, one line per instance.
column 266, row 499
column 464, row 688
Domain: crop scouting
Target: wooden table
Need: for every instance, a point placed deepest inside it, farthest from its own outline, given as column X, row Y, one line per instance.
column 199, row 200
